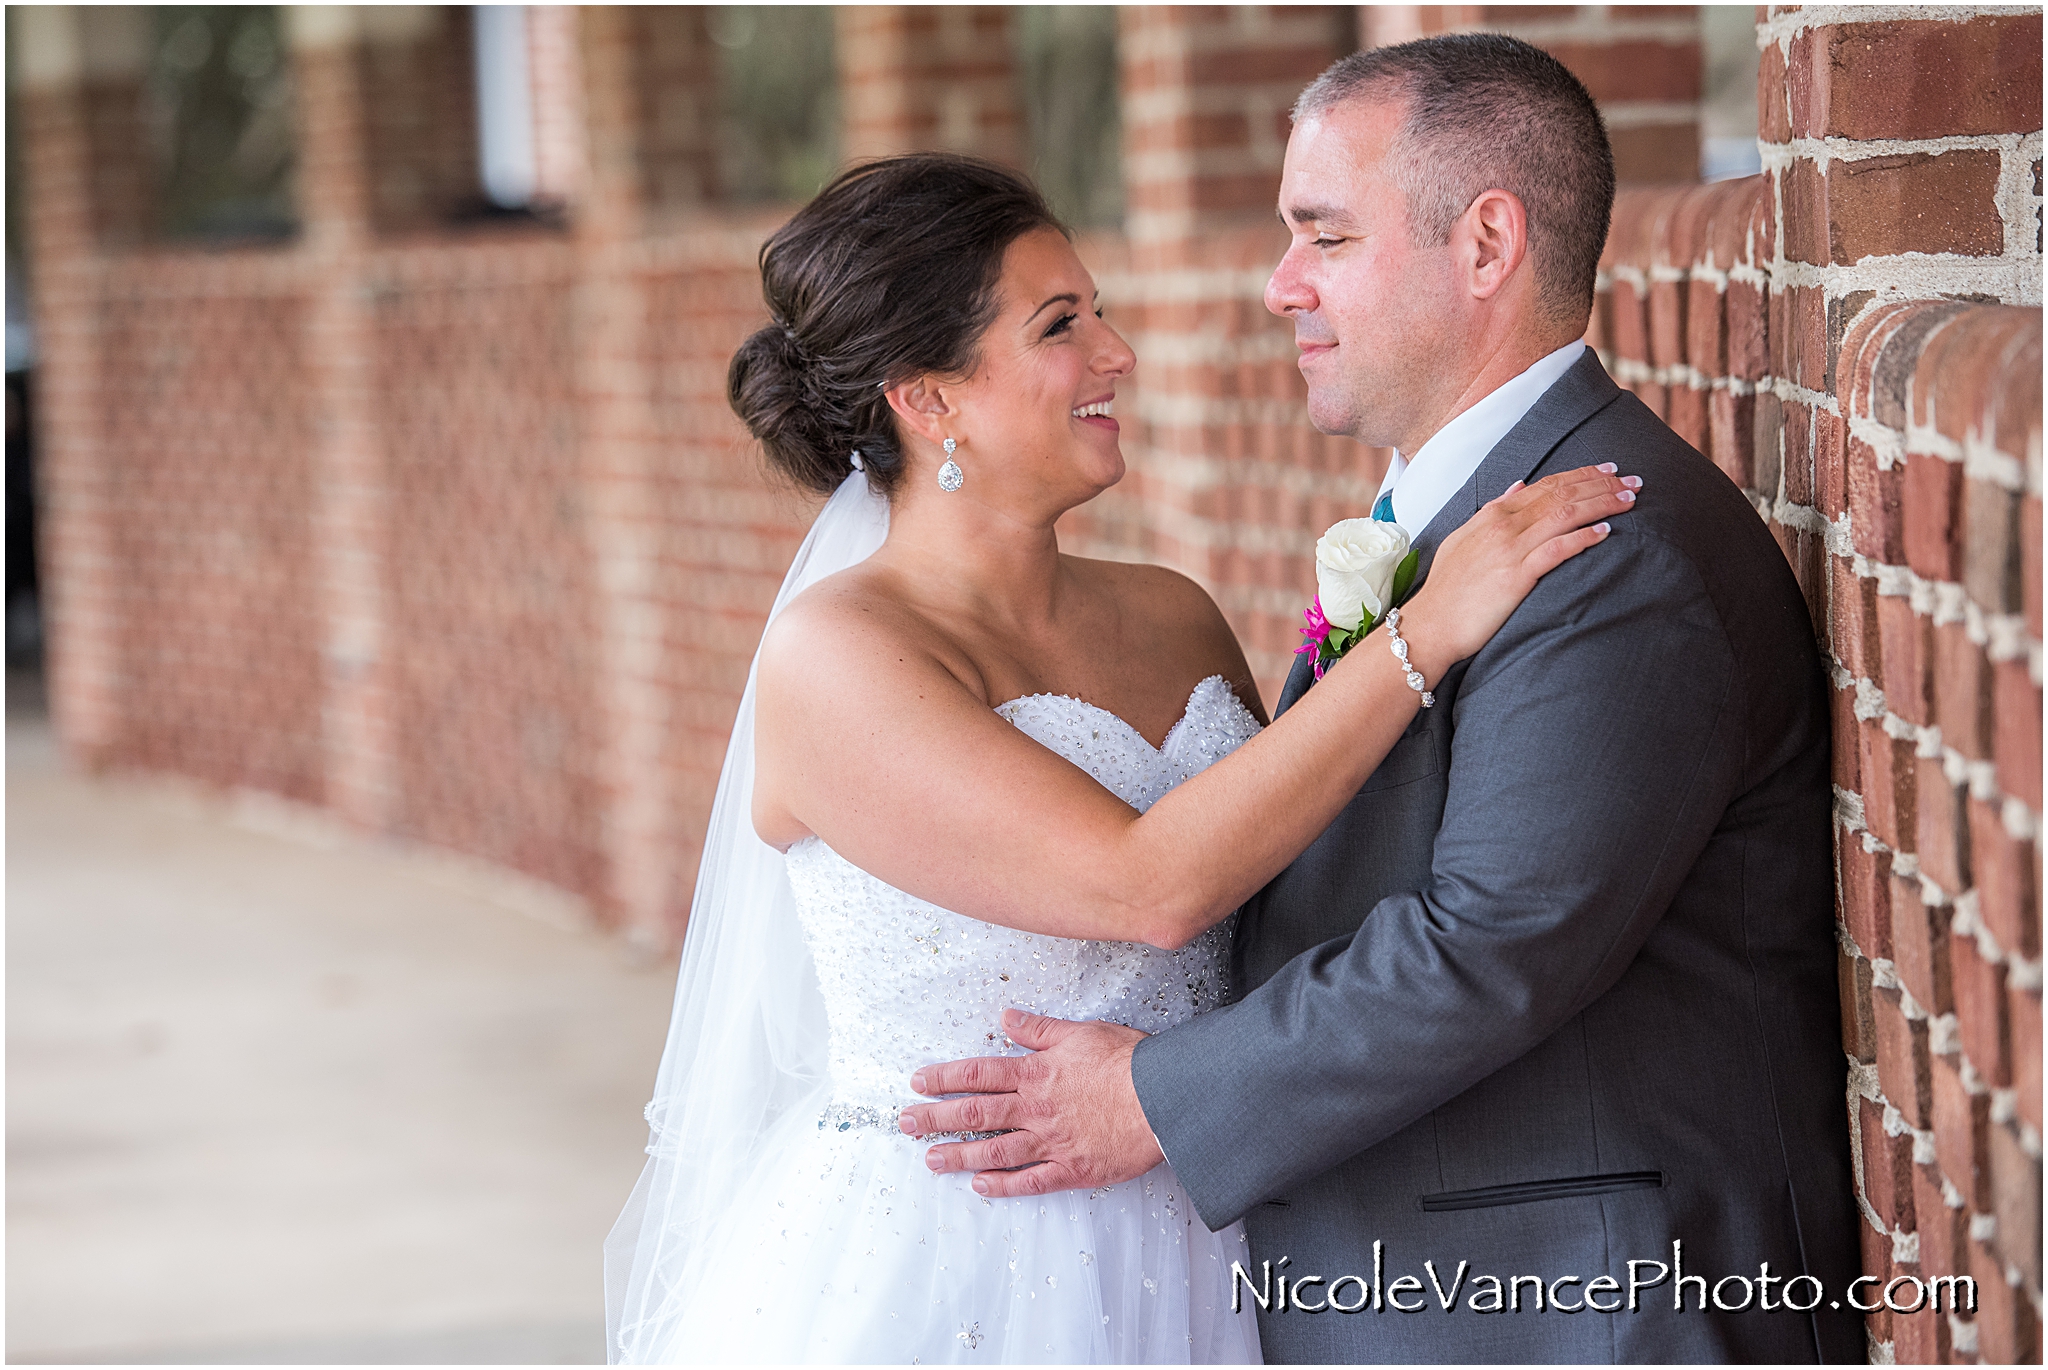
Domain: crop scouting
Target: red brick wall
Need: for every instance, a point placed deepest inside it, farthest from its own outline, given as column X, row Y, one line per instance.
column 78, row 570
column 559, row 154
column 450, row 531
column 1227, row 478
column 123, row 189
column 1855, row 338
column 219, row 657
column 488, row 587
column 727, row 533
column 676, row 80
column 1641, row 62
column 415, row 65
column 687, row 538
column 928, row 76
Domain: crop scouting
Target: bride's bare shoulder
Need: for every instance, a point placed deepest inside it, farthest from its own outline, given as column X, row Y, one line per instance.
column 1148, row 586
column 851, row 628
column 1146, row 593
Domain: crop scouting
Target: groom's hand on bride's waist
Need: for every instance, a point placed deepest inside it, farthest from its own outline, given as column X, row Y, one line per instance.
column 1067, row 1115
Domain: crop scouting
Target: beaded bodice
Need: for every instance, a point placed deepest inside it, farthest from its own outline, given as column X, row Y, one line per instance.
column 906, row 983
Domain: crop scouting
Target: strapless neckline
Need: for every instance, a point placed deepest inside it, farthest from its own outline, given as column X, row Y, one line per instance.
column 1165, row 748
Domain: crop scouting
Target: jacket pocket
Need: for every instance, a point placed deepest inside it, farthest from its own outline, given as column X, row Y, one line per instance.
column 1535, row 1191
column 1411, row 759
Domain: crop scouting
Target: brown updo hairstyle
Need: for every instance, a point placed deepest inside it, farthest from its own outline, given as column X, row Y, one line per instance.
column 889, row 273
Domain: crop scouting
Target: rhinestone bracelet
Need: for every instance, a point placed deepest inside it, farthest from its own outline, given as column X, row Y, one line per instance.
column 1400, row 646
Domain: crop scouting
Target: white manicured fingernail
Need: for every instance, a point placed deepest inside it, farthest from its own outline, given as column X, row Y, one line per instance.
column 1609, row 467
column 1602, row 529
column 1632, row 482
column 1627, row 497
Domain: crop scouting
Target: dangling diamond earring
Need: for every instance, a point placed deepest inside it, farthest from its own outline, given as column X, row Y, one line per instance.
column 950, row 476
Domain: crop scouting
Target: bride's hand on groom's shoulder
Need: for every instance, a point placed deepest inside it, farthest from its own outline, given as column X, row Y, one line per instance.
column 1067, row 1115
column 1483, row 571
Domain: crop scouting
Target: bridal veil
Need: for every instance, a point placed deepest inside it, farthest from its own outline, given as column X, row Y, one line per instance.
column 743, row 1073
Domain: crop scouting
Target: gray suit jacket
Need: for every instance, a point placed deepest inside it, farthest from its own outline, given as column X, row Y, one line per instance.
column 1557, row 988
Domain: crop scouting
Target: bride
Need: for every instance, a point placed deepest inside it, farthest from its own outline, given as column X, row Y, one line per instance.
column 971, row 772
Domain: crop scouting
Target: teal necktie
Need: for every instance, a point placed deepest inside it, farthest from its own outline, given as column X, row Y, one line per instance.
column 1384, row 510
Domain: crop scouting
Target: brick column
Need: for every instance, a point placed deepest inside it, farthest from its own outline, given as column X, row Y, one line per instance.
column 1642, row 63
column 928, row 76
column 1901, row 435
column 80, row 579
column 114, row 47
column 1935, row 605
column 1206, row 100
column 1228, row 481
column 561, row 159
column 614, row 390
column 418, row 111
column 1872, row 301
column 678, row 77
column 351, row 513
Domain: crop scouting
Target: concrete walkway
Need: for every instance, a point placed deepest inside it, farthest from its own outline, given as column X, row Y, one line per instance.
column 280, row 1094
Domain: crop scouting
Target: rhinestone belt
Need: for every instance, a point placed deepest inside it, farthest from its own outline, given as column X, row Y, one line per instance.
column 846, row 1117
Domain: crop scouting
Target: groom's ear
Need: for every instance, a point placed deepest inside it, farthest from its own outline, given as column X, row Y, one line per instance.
column 922, row 405
column 1493, row 234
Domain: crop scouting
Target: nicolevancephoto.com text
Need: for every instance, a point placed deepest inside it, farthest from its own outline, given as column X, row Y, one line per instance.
column 1439, row 1289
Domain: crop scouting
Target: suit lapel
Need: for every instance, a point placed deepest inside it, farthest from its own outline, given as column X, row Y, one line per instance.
column 1299, row 678
column 1577, row 395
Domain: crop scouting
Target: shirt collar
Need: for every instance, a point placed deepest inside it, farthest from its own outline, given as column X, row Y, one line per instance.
column 1424, row 483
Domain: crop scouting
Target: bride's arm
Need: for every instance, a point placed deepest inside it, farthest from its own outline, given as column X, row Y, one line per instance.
column 875, row 746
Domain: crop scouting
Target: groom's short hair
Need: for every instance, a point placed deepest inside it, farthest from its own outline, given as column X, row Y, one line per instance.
column 1483, row 111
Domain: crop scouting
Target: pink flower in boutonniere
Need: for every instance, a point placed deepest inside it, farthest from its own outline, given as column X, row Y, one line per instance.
column 1316, row 634
column 1364, row 568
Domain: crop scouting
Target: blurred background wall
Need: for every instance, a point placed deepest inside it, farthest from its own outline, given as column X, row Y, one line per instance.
column 366, row 366
column 379, row 358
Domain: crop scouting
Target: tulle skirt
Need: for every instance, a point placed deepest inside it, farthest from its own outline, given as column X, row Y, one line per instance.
column 849, row 1250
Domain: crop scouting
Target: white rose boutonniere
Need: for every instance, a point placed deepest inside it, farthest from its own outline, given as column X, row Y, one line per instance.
column 1364, row 567
column 1356, row 562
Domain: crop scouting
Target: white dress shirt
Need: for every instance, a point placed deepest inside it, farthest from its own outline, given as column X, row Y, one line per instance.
column 1424, row 483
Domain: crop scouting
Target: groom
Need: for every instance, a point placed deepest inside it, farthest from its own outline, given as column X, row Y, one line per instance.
column 1554, row 997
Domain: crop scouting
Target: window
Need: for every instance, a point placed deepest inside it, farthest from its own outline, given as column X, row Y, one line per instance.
column 1067, row 67
column 218, row 107
column 779, row 100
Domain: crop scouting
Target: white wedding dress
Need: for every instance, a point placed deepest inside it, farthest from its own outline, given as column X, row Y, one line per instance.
column 847, row 1248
